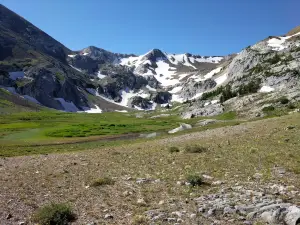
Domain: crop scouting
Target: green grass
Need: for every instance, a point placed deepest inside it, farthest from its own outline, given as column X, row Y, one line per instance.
column 227, row 116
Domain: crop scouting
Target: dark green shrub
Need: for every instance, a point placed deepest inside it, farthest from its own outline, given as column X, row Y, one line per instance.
column 257, row 69
column 194, row 180
column 58, row 214
column 251, row 87
column 284, row 100
column 268, row 108
column 274, row 60
column 291, row 106
column 102, row 181
column 195, row 149
column 227, row 93
column 211, row 94
column 173, row 149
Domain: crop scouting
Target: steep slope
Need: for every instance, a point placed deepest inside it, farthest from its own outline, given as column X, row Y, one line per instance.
column 34, row 64
column 258, row 77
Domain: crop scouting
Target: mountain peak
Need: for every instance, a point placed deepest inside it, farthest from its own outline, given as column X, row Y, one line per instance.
column 154, row 55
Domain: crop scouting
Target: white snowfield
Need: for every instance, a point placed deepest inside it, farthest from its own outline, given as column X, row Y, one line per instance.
column 220, row 80
column 266, row 89
column 278, row 43
column 165, row 72
column 93, row 110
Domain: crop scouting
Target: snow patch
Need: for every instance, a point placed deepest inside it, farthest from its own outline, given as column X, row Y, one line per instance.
column 220, row 80
column 93, row 110
column 277, row 44
column 150, row 88
column 16, row 75
column 197, row 95
column 121, row 111
column 266, row 89
column 177, row 98
column 175, row 90
column 101, row 76
column 71, row 56
column 76, row 68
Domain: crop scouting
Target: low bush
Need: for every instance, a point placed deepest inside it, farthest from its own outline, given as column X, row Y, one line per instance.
column 58, row 214
column 268, row 108
column 102, row 181
column 194, row 180
column 284, row 100
column 173, row 149
column 274, row 60
column 291, row 106
column 195, row 149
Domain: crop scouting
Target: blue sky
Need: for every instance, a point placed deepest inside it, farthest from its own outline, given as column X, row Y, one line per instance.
column 202, row 27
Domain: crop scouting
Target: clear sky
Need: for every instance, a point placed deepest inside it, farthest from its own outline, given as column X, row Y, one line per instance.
column 202, row 27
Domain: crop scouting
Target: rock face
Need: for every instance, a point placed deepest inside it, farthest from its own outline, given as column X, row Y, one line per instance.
column 191, row 88
column 161, row 97
column 139, row 102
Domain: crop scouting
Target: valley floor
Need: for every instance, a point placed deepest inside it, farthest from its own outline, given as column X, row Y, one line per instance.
column 243, row 166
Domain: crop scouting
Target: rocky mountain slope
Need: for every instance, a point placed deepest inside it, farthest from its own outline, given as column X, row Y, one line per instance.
column 40, row 69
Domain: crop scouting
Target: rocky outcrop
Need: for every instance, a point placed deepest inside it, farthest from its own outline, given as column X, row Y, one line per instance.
column 191, row 88
column 198, row 109
column 161, row 97
column 139, row 102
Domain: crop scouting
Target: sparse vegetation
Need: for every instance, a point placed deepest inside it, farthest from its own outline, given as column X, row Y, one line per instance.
column 268, row 108
column 173, row 149
column 59, row 76
column 58, row 214
column 195, row 149
column 291, row 106
column 102, row 181
column 257, row 69
column 139, row 220
column 194, row 180
column 274, row 60
column 211, row 94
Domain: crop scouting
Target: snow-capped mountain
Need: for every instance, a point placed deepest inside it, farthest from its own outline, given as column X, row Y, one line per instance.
column 40, row 69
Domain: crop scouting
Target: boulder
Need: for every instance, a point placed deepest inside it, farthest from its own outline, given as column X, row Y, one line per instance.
column 182, row 127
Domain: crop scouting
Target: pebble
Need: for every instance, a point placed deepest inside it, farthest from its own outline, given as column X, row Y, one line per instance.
column 193, row 215
column 108, row 216
column 141, row 201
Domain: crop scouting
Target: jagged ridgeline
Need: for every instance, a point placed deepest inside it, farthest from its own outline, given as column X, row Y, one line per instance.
column 38, row 70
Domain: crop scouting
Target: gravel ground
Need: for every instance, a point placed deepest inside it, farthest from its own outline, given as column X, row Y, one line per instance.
column 250, row 165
